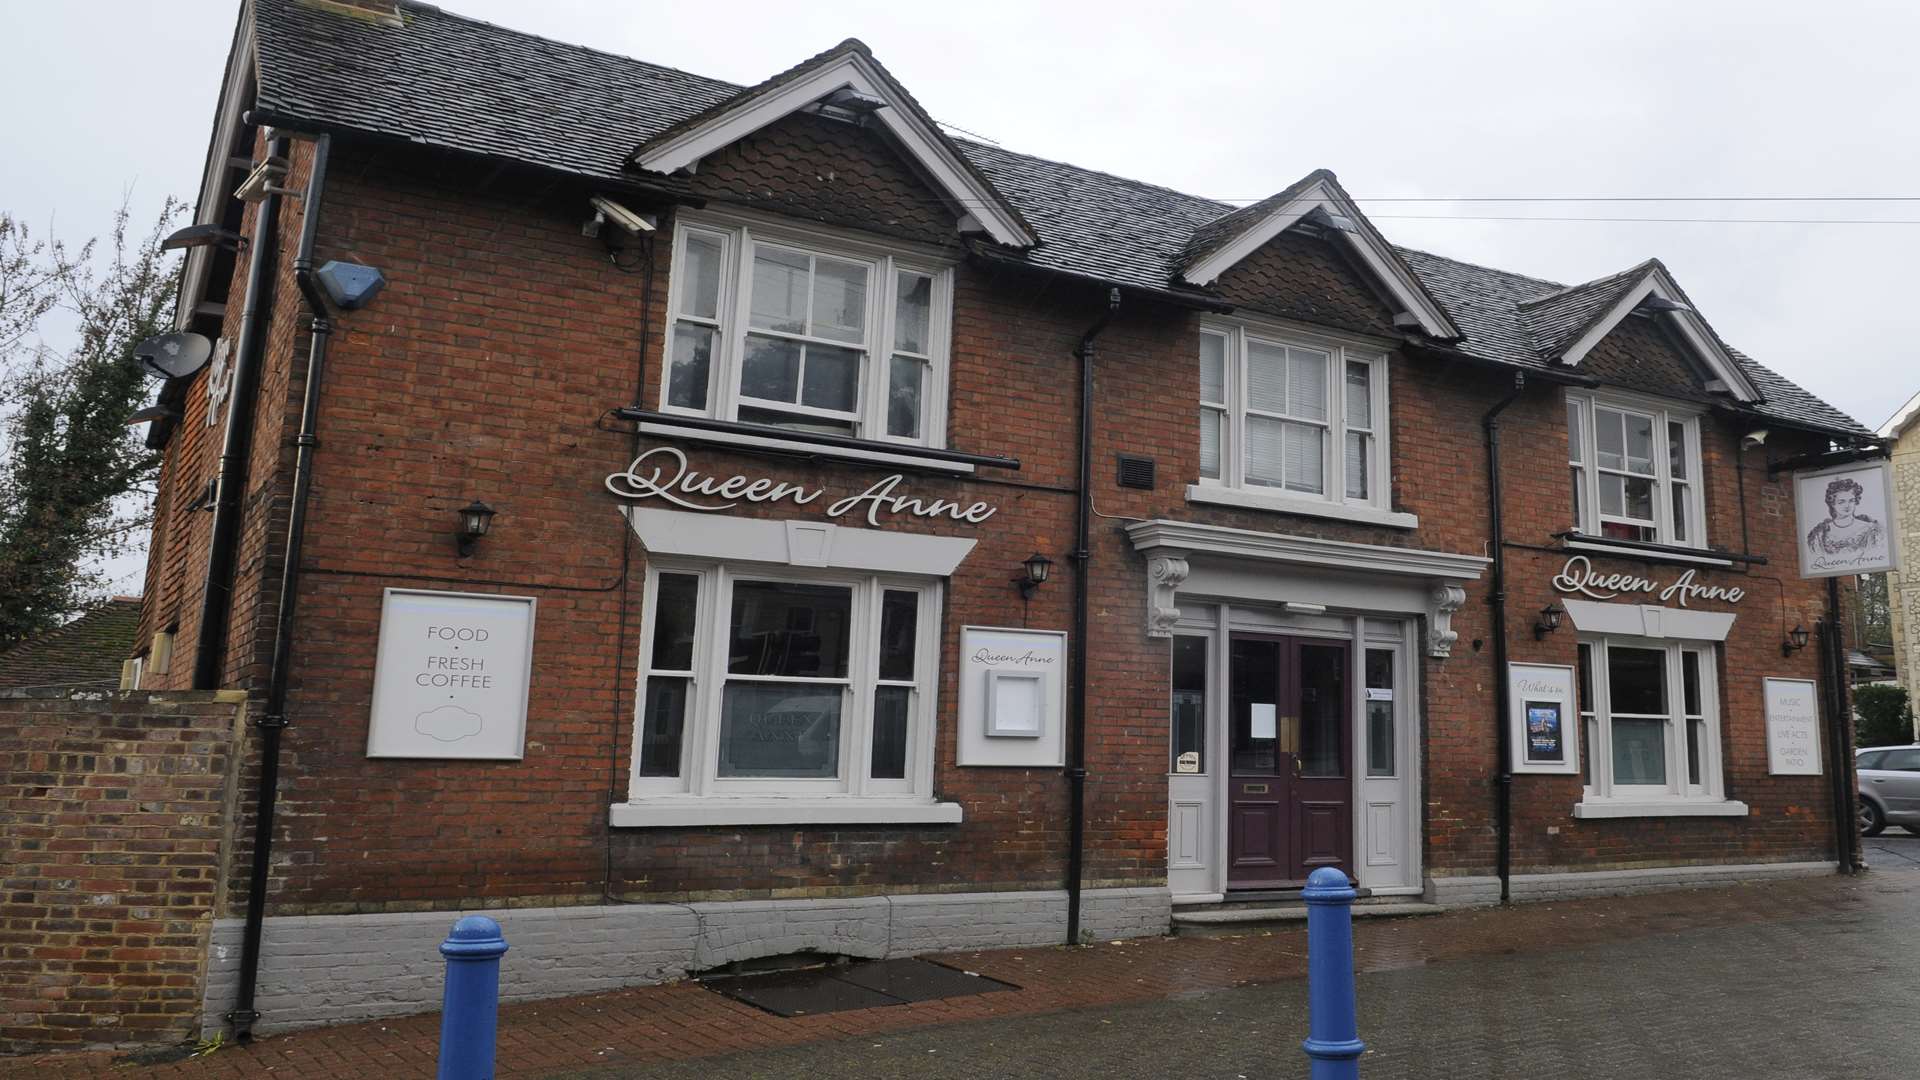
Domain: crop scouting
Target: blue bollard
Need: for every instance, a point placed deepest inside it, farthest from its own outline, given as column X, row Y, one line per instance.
column 470, row 1010
column 1333, row 1035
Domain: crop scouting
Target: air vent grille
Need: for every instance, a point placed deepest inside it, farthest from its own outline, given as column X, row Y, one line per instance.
column 1136, row 472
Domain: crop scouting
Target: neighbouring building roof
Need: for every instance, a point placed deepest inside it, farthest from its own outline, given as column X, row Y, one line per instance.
column 442, row 80
column 1901, row 420
column 85, row 652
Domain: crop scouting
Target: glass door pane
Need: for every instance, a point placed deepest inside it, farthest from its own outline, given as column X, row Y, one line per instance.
column 1323, row 708
column 1254, row 692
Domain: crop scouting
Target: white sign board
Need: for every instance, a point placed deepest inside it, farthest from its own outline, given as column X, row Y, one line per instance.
column 1845, row 517
column 451, row 676
column 1013, row 691
column 1793, row 727
column 1545, row 722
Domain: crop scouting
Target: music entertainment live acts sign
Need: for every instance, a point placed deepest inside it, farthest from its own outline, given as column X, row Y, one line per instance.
column 1579, row 576
column 663, row 472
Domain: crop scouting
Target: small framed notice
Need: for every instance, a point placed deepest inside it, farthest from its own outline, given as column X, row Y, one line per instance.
column 1012, row 696
column 1793, row 727
column 451, row 675
column 1542, row 710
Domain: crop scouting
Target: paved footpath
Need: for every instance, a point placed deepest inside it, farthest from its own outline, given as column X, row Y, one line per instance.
column 1809, row 978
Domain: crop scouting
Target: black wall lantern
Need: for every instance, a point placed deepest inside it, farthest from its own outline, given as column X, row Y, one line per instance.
column 1549, row 620
column 1036, row 567
column 475, row 519
column 1796, row 640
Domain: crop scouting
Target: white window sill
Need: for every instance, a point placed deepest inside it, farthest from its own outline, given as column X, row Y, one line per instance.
column 1666, row 554
column 881, row 454
column 1631, row 808
column 683, row 810
column 1293, row 504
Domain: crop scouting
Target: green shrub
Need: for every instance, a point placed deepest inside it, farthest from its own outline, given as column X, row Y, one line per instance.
column 1885, row 716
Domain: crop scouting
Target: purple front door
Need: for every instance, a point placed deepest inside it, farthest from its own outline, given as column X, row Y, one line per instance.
column 1290, row 796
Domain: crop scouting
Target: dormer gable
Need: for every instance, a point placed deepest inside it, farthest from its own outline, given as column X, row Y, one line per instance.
column 847, row 82
column 1316, row 200
column 1569, row 323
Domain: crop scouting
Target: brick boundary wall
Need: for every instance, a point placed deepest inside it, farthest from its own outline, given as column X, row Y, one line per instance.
column 114, row 811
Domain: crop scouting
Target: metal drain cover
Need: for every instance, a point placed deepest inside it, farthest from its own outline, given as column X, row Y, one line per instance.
column 865, row 985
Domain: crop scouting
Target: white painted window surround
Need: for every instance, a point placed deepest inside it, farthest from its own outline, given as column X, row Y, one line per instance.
column 808, row 327
column 1295, row 422
column 1650, row 727
column 1634, row 469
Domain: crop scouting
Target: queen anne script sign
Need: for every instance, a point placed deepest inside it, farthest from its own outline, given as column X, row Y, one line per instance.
column 663, row 473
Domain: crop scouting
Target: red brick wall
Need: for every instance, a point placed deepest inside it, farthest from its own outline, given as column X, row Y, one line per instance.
column 110, row 846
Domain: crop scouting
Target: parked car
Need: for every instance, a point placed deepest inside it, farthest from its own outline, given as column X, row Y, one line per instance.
column 1889, row 788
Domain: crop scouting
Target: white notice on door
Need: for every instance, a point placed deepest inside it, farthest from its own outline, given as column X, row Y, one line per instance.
column 1265, row 725
column 1793, row 726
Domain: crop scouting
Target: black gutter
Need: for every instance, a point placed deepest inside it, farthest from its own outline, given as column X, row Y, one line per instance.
column 811, row 438
column 1503, row 793
column 1822, row 460
column 1176, row 297
column 216, row 601
column 1082, row 597
column 273, row 713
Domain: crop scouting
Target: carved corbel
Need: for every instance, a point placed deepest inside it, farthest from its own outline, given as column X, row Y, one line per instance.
column 1165, row 574
column 1442, row 602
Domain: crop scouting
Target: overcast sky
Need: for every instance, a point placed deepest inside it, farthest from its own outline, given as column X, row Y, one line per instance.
column 1236, row 101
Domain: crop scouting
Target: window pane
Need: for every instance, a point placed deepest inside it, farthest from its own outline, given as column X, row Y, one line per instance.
column 779, row 290
column 674, row 615
column 1213, row 368
column 1613, row 498
column 1901, row 761
column 692, row 359
column 1189, row 719
column 1679, row 513
column 899, row 622
column 1609, row 433
column 1677, row 450
column 772, row 369
column 1640, row 445
column 1590, row 735
column 904, row 383
column 1359, row 395
column 1695, row 729
column 1380, row 749
column 665, row 724
column 1639, row 498
column 1212, row 422
column 1690, row 682
column 1307, row 383
column 891, row 708
column 700, row 277
column 912, row 313
column 1585, row 687
column 1263, row 451
column 1637, row 681
column 1266, row 377
column 1359, row 451
column 1575, row 477
column 781, row 628
column 1870, row 761
column 1576, row 442
column 1323, row 709
column 780, row 729
column 1306, row 467
column 839, row 300
column 832, row 379
column 1639, row 751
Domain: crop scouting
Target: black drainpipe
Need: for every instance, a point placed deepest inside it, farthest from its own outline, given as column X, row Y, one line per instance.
column 1833, row 658
column 216, row 602
column 1503, row 792
column 1082, row 538
column 273, row 713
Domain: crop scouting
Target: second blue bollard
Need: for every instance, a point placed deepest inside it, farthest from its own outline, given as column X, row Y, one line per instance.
column 471, row 1008
column 1333, row 1035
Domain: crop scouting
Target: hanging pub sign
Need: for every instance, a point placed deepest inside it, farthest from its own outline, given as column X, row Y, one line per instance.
column 1543, row 718
column 663, row 473
column 1845, row 516
column 1579, row 576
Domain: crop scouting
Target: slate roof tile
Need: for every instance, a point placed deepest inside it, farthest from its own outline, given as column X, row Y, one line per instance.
column 85, row 652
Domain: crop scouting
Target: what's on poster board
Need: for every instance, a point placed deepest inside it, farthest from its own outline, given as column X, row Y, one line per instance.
column 1793, row 727
column 1541, row 714
column 451, row 675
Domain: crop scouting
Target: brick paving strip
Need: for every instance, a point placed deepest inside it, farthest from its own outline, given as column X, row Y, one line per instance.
column 684, row 1020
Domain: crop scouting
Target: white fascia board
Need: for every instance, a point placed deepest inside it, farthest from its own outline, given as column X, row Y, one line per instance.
column 213, row 194
column 1691, row 326
column 1221, row 541
column 795, row 543
column 1648, row 620
column 685, row 811
column 1896, row 425
column 1387, row 270
column 943, row 165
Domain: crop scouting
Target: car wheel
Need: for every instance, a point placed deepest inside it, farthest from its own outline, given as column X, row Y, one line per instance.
column 1872, row 821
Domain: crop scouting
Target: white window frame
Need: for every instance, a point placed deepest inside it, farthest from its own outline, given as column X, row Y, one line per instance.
column 738, row 236
column 793, row 799
column 1231, row 486
column 1678, row 796
column 1583, row 455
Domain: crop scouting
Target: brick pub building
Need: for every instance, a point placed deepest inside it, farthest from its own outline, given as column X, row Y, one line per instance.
column 784, row 402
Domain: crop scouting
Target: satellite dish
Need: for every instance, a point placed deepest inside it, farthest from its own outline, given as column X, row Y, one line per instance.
column 172, row 356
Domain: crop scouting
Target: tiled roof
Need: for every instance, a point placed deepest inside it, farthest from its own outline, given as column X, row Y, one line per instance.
column 451, row 82
column 1558, row 319
column 85, row 652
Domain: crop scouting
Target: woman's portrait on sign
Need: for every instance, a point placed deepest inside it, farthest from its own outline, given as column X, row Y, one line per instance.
column 1844, row 520
column 1846, row 529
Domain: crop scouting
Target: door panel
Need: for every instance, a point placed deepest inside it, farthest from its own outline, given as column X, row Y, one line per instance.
column 1289, row 788
column 1323, row 788
column 1258, row 849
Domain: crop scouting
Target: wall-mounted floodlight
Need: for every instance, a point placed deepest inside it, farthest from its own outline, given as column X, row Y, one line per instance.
column 263, row 181
column 208, row 235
